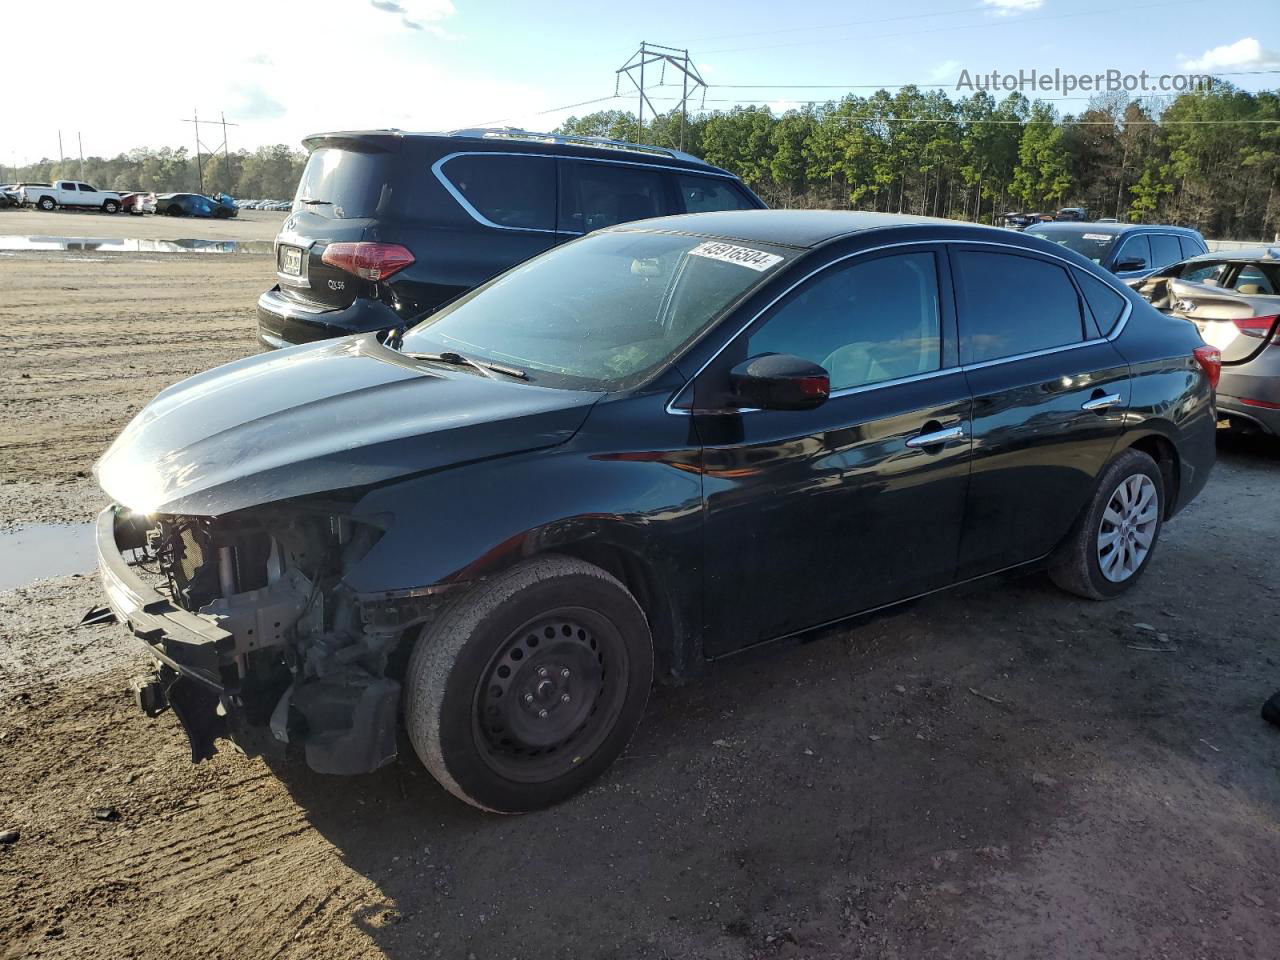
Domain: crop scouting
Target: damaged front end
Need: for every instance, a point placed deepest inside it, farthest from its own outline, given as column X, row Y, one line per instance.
column 255, row 637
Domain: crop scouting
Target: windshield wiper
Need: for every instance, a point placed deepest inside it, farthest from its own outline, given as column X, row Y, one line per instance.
column 488, row 369
column 326, row 203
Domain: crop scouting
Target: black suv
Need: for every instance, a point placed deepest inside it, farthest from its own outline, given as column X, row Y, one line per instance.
column 387, row 226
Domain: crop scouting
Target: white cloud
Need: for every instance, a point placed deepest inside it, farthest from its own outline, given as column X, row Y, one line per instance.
column 1247, row 53
column 391, row 77
column 946, row 70
column 1010, row 8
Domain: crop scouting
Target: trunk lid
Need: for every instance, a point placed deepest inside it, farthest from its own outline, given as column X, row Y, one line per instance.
column 1215, row 313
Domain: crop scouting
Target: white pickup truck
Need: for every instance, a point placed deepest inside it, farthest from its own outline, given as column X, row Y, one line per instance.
column 70, row 193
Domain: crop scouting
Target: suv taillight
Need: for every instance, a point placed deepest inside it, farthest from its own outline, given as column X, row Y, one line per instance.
column 1257, row 327
column 372, row 261
column 1210, row 360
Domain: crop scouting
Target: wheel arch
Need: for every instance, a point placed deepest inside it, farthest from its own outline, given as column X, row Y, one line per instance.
column 1165, row 453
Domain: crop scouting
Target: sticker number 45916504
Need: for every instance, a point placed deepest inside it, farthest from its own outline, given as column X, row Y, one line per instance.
column 732, row 253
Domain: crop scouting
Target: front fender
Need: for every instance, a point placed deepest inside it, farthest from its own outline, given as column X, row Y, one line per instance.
column 628, row 482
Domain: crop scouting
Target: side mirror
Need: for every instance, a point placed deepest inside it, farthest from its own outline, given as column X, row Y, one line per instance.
column 779, row 381
column 1131, row 263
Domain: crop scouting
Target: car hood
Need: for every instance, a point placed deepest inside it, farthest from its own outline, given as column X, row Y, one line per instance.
column 328, row 416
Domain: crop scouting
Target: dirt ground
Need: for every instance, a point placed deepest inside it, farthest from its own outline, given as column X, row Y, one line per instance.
column 1002, row 772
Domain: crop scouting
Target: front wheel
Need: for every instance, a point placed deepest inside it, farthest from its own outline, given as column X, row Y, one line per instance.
column 110, row 206
column 1112, row 543
column 527, row 688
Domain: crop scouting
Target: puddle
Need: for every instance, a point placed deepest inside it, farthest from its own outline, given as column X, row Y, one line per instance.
column 40, row 550
column 130, row 245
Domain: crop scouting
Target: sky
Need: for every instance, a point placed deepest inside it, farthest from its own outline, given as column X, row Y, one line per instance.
column 281, row 69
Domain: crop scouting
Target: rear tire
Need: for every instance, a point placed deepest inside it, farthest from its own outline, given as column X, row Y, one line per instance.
column 47, row 204
column 1112, row 543
column 527, row 688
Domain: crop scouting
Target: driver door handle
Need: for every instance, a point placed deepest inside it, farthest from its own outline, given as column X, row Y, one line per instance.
column 937, row 437
column 1101, row 403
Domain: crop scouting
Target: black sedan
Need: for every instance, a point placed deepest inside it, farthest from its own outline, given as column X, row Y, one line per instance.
column 644, row 450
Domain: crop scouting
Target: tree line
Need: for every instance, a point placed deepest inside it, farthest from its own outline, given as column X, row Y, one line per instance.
column 1209, row 160
column 265, row 173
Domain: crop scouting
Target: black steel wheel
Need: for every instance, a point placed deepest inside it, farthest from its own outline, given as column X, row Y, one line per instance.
column 527, row 688
column 552, row 692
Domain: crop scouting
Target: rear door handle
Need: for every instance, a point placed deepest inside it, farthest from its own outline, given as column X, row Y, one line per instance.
column 1101, row 403
column 937, row 437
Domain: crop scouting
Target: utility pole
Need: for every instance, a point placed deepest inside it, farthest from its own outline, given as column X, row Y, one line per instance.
column 61, row 157
column 81, row 144
column 677, row 58
column 203, row 148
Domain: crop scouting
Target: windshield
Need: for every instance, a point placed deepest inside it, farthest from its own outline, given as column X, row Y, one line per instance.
column 1092, row 244
column 602, row 312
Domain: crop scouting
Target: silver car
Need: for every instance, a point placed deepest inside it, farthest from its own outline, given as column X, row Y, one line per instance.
column 1233, row 297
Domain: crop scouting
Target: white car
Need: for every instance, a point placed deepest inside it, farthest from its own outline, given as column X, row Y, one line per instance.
column 70, row 193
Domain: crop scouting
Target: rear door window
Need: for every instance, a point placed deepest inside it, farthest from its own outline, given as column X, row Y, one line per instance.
column 506, row 190
column 1252, row 281
column 1011, row 305
column 708, row 194
column 597, row 195
column 1164, row 250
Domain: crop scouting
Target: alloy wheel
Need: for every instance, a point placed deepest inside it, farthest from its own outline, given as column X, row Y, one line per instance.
column 1128, row 527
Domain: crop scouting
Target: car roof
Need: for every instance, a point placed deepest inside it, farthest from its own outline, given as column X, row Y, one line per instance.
column 1266, row 254
column 802, row 228
column 500, row 138
column 1116, row 228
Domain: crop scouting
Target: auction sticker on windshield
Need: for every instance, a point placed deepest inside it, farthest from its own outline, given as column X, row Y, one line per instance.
column 1097, row 236
column 732, row 253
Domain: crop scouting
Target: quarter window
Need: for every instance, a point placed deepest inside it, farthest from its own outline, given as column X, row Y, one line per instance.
column 602, row 194
column 706, row 194
column 507, row 190
column 865, row 322
column 1190, row 248
column 1105, row 304
column 1011, row 305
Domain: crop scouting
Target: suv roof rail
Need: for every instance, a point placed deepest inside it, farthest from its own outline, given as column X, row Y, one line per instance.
column 515, row 133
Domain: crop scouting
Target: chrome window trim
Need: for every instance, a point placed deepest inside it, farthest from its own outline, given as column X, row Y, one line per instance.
column 959, row 368
column 437, row 168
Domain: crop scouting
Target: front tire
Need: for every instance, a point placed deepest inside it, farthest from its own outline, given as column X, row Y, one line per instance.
column 110, row 206
column 1112, row 543
column 526, row 689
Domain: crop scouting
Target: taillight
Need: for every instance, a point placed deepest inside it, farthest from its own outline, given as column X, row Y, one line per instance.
column 372, row 261
column 1210, row 360
column 1257, row 327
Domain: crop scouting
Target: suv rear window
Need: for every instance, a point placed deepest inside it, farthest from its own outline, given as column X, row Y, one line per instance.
column 507, row 190
column 343, row 184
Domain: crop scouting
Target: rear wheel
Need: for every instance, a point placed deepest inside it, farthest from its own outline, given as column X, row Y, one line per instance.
column 526, row 689
column 1112, row 543
column 46, row 204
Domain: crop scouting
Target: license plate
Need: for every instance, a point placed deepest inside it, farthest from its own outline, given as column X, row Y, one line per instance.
column 291, row 261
